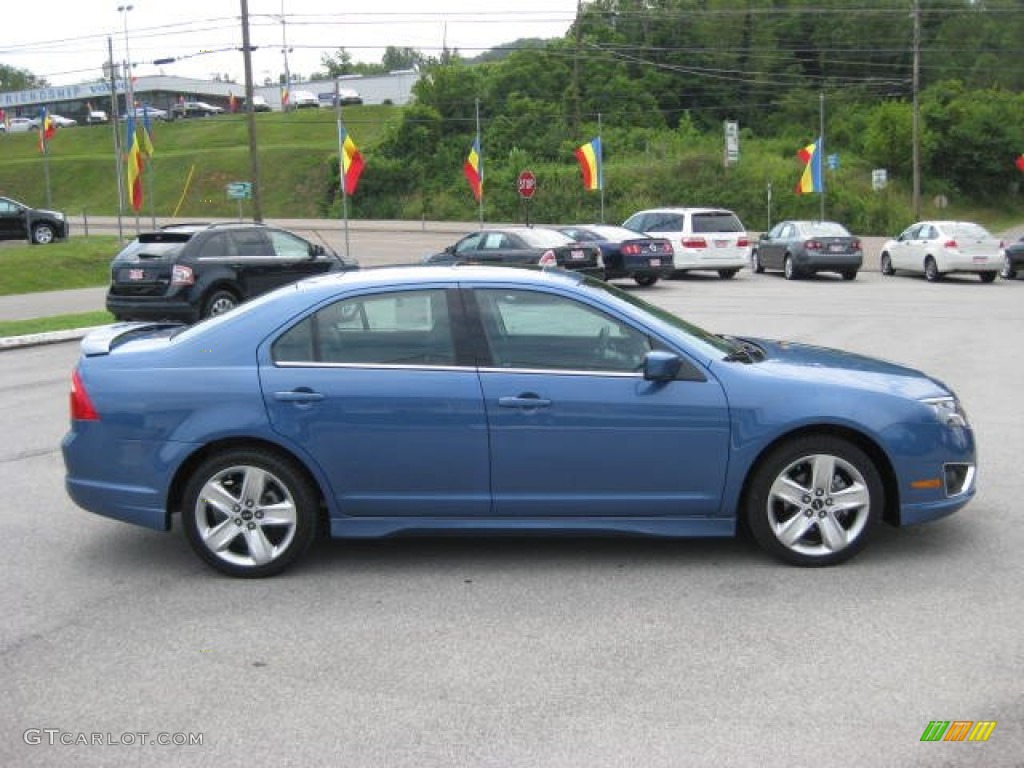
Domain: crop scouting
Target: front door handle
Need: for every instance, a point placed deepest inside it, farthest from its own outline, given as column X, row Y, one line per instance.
column 526, row 400
column 300, row 395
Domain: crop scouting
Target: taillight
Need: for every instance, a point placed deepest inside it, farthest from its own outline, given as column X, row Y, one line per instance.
column 81, row 406
column 813, row 245
column 548, row 259
column 182, row 275
column 950, row 244
column 630, row 249
column 743, row 242
column 695, row 242
column 855, row 245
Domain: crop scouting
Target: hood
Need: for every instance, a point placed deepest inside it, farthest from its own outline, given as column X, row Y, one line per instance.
column 812, row 364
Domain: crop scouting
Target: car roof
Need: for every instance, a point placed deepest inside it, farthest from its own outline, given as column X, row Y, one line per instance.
column 433, row 274
column 685, row 210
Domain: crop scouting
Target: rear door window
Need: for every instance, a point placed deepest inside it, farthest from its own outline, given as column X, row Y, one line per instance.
column 716, row 221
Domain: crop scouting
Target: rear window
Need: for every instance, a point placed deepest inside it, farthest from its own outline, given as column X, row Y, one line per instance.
column 147, row 248
column 716, row 221
column 543, row 238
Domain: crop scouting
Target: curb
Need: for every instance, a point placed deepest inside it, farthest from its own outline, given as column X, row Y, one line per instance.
column 37, row 339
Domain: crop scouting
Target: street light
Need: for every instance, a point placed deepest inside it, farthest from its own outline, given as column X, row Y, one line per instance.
column 123, row 10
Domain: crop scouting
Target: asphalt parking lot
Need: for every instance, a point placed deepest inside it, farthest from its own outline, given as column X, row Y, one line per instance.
column 526, row 652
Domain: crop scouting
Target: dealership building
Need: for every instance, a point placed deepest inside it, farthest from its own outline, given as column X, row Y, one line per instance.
column 162, row 92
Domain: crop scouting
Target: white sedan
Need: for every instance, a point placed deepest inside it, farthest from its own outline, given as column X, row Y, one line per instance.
column 937, row 248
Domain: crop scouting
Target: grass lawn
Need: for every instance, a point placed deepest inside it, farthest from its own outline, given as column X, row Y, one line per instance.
column 77, row 263
column 54, row 323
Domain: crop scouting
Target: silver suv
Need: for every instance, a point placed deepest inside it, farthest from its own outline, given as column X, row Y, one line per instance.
column 702, row 238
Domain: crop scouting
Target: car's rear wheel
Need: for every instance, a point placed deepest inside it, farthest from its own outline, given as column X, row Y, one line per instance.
column 814, row 500
column 645, row 280
column 886, row 265
column 987, row 277
column 850, row 274
column 755, row 263
column 931, row 270
column 789, row 269
column 43, row 234
column 249, row 513
column 727, row 274
column 219, row 302
column 1007, row 272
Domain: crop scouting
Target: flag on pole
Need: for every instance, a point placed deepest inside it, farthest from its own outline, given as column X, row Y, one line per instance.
column 351, row 162
column 46, row 128
column 133, row 161
column 589, row 156
column 473, row 169
column 147, row 134
column 810, row 179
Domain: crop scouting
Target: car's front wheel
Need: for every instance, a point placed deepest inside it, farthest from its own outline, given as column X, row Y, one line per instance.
column 219, row 302
column 886, row 266
column 249, row 513
column 1007, row 272
column 43, row 234
column 755, row 263
column 814, row 500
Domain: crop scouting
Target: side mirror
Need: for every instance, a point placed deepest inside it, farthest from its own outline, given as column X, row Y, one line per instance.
column 764, row 236
column 315, row 249
column 450, row 249
column 661, row 366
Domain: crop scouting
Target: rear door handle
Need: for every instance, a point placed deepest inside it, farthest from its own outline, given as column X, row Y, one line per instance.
column 300, row 395
column 524, row 401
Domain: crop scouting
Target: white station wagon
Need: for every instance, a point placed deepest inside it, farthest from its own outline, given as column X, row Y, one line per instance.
column 702, row 238
column 937, row 248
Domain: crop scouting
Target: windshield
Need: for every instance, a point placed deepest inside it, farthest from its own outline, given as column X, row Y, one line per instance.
column 712, row 345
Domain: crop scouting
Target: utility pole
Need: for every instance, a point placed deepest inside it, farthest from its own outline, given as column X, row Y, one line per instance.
column 577, row 116
column 916, row 129
column 117, row 139
column 254, row 156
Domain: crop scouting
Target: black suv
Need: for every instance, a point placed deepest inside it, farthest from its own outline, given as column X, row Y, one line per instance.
column 20, row 222
column 186, row 272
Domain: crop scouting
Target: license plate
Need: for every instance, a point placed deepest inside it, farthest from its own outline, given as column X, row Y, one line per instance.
column 721, row 243
column 577, row 255
column 655, row 262
column 836, row 248
column 980, row 260
column 136, row 274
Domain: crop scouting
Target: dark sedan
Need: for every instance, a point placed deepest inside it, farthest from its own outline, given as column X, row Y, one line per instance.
column 37, row 225
column 625, row 252
column 802, row 248
column 522, row 246
column 1013, row 260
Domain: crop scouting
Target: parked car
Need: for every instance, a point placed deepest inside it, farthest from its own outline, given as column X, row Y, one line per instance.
column 303, row 99
column 801, row 248
column 1013, row 260
column 96, row 117
column 938, row 248
column 346, row 97
column 37, row 225
column 186, row 272
column 154, row 113
column 702, row 238
column 522, row 245
column 63, row 122
column 194, row 109
column 260, row 104
column 626, row 253
column 22, row 125
column 491, row 400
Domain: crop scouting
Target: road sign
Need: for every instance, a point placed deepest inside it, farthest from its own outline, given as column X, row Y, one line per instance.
column 879, row 179
column 526, row 184
column 239, row 190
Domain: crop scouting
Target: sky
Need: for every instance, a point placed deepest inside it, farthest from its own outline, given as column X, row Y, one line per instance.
column 66, row 41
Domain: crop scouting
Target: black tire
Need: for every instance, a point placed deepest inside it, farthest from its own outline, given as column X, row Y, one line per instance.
column 1007, row 272
column 827, row 534
column 850, row 274
column 987, row 277
column 931, row 270
column 886, row 266
column 645, row 280
column 727, row 274
column 219, row 302
column 789, row 269
column 755, row 263
column 237, row 535
column 43, row 234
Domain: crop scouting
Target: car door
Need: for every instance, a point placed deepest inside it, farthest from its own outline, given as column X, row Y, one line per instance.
column 258, row 267
column 771, row 248
column 906, row 252
column 13, row 225
column 575, row 430
column 373, row 389
column 296, row 258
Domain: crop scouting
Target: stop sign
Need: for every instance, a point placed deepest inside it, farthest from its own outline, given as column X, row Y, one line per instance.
column 526, row 184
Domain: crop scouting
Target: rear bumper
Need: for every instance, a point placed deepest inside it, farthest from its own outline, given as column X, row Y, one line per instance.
column 151, row 308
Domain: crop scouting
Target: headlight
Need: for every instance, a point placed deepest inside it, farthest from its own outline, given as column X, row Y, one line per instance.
column 948, row 411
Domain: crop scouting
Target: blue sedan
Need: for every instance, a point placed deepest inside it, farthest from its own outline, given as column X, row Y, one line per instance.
column 493, row 400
